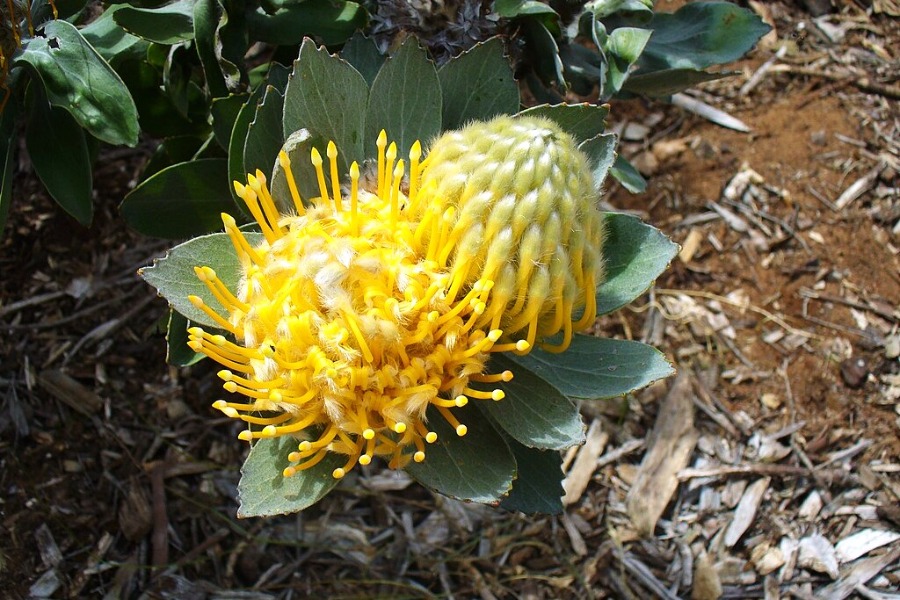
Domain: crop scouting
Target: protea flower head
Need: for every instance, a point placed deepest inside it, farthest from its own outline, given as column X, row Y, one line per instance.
column 370, row 304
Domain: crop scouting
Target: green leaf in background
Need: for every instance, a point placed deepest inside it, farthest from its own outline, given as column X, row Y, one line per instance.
column 277, row 78
column 77, row 79
column 538, row 485
column 224, row 112
column 595, row 368
column 265, row 492
column 405, row 100
column 264, row 136
column 174, row 278
column 477, row 85
column 112, row 42
column 604, row 8
column 168, row 24
column 328, row 97
column 172, row 151
column 630, row 178
column 543, row 52
column 178, row 353
column 601, row 152
column 701, row 35
column 659, row 84
column 635, row 254
column 331, row 22
column 52, row 133
column 583, row 121
column 533, row 413
column 180, row 201
column 477, row 467
column 7, row 158
column 511, row 9
column 362, row 52
column 207, row 15
column 623, row 48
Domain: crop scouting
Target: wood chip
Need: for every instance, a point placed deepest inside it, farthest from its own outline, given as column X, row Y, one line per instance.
column 671, row 443
column 746, row 511
column 860, row 574
column 817, row 553
column 585, row 463
column 71, row 392
column 706, row 580
column 862, row 542
column 858, row 187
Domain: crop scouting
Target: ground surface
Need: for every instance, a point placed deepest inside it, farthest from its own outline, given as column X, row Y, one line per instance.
column 770, row 467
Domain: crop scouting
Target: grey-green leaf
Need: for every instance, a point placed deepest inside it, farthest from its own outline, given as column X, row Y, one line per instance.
column 701, row 35
column 625, row 173
column 265, row 492
column 477, row 85
column 174, row 278
column 666, row 82
column 361, row 52
column 583, row 121
column 635, row 254
column 595, row 368
column 328, row 97
column 534, row 413
column 601, row 152
column 168, row 24
column 405, row 100
column 77, row 79
column 53, row 133
column 538, row 485
column 181, row 201
column 264, row 136
column 178, row 353
column 477, row 467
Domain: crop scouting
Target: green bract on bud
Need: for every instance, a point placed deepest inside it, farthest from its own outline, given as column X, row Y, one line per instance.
column 516, row 202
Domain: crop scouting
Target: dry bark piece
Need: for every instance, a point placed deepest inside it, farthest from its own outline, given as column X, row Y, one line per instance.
column 817, row 553
column 706, row 581
column 68, row 390
column 746, row 511
column 862, row 542
column 671, row 443
column 585, row 463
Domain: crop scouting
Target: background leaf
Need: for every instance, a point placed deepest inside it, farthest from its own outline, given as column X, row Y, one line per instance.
column 635, row 254
column 53, row 133
column 595, row 368
column 582, row 121
column 328, row 97
column 264, row 137
column 478, row 467
column 7, row 158
column 534, row 413
column 405, row 100
column 659, row 84
column 178, row 353
column 174, row 278
column 362, row 52
column 538, row 484
column 180, row 201
column 701, row 35
column 112, row 42
column 601, row 152
column 265, row 492
column 331, row 22
column 168, row 24
column 625, row 173
column 477, row 85
column 77, row 79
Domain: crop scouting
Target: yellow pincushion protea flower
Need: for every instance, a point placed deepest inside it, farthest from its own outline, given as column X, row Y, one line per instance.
column 359, row 312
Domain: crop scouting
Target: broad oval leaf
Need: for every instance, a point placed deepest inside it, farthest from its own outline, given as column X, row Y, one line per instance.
column 168, row 24
column 264, row 136
column 534, row 413
column 180, row 201
column 538, row 484
column 595, row 368
column 112, row 42
column 666, row 82
column 405, row 100
column 582, row 121
column 331, row 22
column 328, row 97
column 477, row 467
column 77, row 79
column 601, row 152
column 701, row 35
column 53, row 133
column 362, row 52
column 174, row 278
column 635, row 255
column 264, row 491
column 477, row 85
column 178, row 353
column 625, row 173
